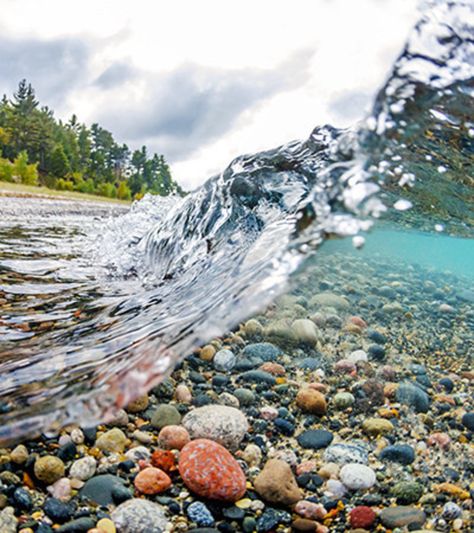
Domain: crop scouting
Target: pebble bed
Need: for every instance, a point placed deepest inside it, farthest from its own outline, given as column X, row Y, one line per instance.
column 347, row 405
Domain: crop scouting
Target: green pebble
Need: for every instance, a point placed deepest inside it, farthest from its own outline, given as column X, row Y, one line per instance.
column 407, row 492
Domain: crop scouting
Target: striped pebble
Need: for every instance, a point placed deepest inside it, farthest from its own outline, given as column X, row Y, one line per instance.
column 210, row 471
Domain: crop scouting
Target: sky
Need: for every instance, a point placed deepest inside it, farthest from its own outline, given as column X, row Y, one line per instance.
column 203, row 81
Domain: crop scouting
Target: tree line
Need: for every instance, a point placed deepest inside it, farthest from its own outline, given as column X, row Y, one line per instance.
column 38, row 149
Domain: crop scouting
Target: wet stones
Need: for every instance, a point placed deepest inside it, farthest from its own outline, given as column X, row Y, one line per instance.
column 210, row 471
column 139, row 404
column 265, row 351
column 311, row 401
column 357, row 477
column 413, row 396
column 329, row 299
column 137, row 515
column 224, row 360
column 19, row 455
column 407, row 492
column 165, row 415
column 399, row 453
column 83, row 468
column 375, row 427
column 402, row 516
column 113, row 440
column 151, row 481
column 257, row 376
column 101, row 489
column 173, row 437
column 223, row 424
column 467, row 421
column 362, row 517
column 8, row 520
column 343, row 400
column 342, row 453
column 49, row 469
column 305, row 331
column 315, row 439
column 277, row 484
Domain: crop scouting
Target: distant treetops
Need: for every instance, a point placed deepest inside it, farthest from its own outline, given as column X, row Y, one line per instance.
column 37, row 149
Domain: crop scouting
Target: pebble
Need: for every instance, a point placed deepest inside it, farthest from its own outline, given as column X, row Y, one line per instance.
column 467, row 421
column 83, row 468
column 223, row 424
column 315, row 439
column 173, row 437
column 375, row 427
column 362, row 517
column 101, row 489
column 343, row 400
column 183, row 394
column 210, row 471
column 19, row 454
column 139, row 404
column 358, row 356
column 49, row 469
column 407, row 492
column 413, row 396
column 200, row 514
column 105, row 525
column 165, row 415
column 265, row 351
column 277, row 484
column 311, row 401
column 57, row 510
column 61, row 489
column 152, row 481
column 308, row 509
column 224, row 360
column 137, row 515
column 357, row 477
column 328, row 299
column 399, row 453
column 305, row 331
column 341, row 453
column 402, row 516
column 113, row 440
column 8, row 520
column 138, row 453
column 257, row 376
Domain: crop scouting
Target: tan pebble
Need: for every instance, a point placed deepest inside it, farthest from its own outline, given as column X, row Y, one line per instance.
column 245, row 503
column 207, row 353
column 19, row 455
column 457, row 524
column 311, row 401
column 139, row 404
column 253, row 328
column 329, row 470
column 183, row 394
column 377, row 426
column 106, row 525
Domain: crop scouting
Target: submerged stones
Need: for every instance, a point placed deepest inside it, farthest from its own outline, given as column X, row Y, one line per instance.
column 224, row 360
column 413, row 396
column 342, row 453
column 402, row 516
column 137, row 515
column 165, row 415
column 399, row 453
column 276, row 483
column 329, row 299
column 315, row 439
column 311, row 401
column 210, row 471
column 151, row 481
column 220, row 423
column 377, row 426
column 355, row 476
column 113, row 440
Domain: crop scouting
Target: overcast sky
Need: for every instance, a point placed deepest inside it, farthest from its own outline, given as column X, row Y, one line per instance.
column 203, row 81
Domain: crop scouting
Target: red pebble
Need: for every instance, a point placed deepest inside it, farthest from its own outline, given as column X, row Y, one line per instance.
column 362, row 516
column 358, row 321
column 210, row 471
column 152, row 480
column 164, row 459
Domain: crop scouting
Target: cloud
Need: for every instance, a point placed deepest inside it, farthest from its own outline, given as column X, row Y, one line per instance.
column 115, row 75
column 182, row 110
column 53, row 66
column 351, row 105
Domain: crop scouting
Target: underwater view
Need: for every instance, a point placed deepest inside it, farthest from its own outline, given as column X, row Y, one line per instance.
column 289, row 347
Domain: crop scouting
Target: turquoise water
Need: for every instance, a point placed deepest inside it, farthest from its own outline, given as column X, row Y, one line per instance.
column 435, row 251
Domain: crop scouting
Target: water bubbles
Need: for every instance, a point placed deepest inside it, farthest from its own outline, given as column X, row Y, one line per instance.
column 442, row 169
column 402, row 205
column 439, row 228
column 358, row 241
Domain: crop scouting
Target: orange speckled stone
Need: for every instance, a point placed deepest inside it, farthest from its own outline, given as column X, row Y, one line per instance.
column 210, row 471
column 164, row 459
column 151, row 481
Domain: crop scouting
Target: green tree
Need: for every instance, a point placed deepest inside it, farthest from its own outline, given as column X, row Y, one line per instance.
column 123, row 191
column 59, row 164
column 26, row 173
column 6, row 170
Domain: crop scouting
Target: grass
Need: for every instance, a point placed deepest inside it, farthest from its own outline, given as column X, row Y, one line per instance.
column 18, row 189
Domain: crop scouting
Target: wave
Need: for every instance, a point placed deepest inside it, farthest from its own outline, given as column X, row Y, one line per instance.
column 174, row 272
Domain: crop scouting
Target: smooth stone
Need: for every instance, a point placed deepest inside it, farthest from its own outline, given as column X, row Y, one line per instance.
column 309, row 363
column 137, row 515
column 377, row 426
column 270, row 518
column 245, row 396
column 407, row 492
column 83, row 468
column 311, row 401
column 224, row 361
column 413, row 396
column 8, row 520
column 223, row 424
column 315, row 439
column 277, row 484
column 99, row 489
column 402, row 516
column 376, row 336
column 376, row 352
column 342, row 453
column 79, row 525
column 257, row 376
column 165, row 415
column 399, row 453
column 49, row 469
column 19, row 454
column 305, row 331
column 329, row 299
column 113, row 440
column 343, row 400
column 265, row 351
column 57, row 510
column 468, row 421
column 355, row 476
